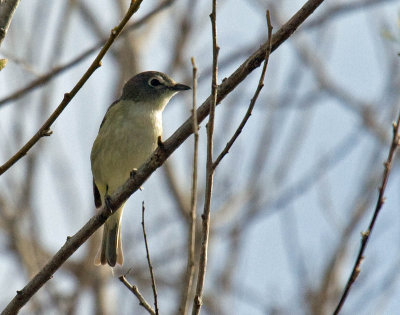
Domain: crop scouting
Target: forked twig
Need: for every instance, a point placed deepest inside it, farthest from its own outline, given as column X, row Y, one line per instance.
column 253, row 100
column 136, row 292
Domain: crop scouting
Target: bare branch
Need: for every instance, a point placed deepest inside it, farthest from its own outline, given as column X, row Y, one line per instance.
column 45, row 129
column 210, row 170
column 7, row 9
column 381, row 200
column 153, row 281
column 188, row 279
column 137, row 293
column 155, row 161
column 253, row 100
column 45, row 78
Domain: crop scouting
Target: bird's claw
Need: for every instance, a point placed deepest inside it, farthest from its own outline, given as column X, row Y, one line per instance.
column 133, row 173
column 107, row 201
column 160, row 143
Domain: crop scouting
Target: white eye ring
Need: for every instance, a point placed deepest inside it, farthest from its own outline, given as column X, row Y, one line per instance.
column 155, row 82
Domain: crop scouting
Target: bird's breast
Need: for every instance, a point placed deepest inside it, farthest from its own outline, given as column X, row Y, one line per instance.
column 125, row 141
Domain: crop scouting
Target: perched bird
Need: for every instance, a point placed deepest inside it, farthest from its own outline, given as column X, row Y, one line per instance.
column 127, row 136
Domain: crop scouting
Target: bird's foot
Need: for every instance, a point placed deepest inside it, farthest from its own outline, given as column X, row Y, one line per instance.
column 107, row 201
column 160, row 143
column 133, row 173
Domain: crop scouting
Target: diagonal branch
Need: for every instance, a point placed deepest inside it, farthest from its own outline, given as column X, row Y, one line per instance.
column 45, row 129
column 253, row 100
column 381, row 200
column 155, row 161
column 137, row 293
column 43, row 79
column 7, row 9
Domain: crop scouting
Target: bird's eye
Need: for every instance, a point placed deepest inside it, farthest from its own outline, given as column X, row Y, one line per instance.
column 154, row 82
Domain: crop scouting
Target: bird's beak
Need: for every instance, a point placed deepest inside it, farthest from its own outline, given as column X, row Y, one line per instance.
column 180, row 87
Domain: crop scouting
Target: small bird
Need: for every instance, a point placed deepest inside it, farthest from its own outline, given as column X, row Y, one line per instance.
column 128, row 135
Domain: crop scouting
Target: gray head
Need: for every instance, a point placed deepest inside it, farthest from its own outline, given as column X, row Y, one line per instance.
column 151, row 86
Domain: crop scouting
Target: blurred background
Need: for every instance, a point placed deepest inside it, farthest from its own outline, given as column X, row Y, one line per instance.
column 290, row 199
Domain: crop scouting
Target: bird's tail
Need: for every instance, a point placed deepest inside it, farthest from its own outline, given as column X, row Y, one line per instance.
column 110, row 251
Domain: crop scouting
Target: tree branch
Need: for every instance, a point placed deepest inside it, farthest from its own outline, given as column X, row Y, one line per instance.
column 252, row 102
column 137, row 293
column 210, row 170
column 7, row 9
column 43, row 79
column 155, row 161
column 381, row 200
column 45, row 129
column 188, row 279
column 153, row 281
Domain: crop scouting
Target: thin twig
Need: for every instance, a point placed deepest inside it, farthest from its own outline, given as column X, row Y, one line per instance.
column 45, row 78
column 184, row 304
column 155, row 161
column 153, row 281
column 45, row 129
column 381, row 200
column 137, row 293
column 209, row 169
column 23, row 296
column 7, row 9
column 253, row 100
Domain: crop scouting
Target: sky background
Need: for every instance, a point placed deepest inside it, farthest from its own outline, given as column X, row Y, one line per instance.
column 321, row 156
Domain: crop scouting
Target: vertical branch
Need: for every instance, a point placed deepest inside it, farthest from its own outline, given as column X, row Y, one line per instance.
column 253, row 100
column 153, row 281
column 381, row 200
column 209, row 171
column 183, row 306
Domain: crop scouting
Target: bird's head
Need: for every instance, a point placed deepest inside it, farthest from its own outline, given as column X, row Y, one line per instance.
column 151, row 87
